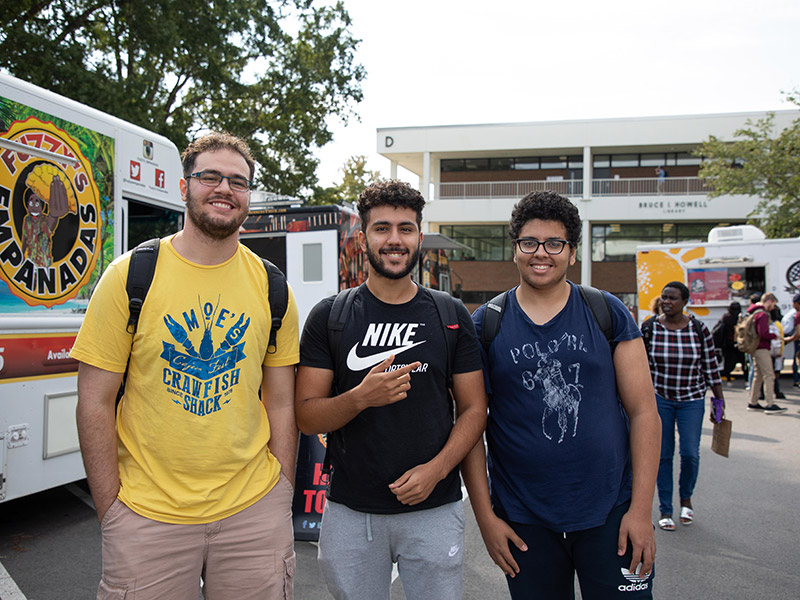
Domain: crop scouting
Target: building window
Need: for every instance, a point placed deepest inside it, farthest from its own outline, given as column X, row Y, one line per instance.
column 501, row 164
column 624, row 160
column 450, row 165
column 653, row 160
column 486, row 242
column 601, row 161
column 476, row 164
column 530, row 163
column 554, row 162
column 617, row 242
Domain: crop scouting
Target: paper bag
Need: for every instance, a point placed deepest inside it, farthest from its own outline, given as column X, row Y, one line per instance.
column 721, row 438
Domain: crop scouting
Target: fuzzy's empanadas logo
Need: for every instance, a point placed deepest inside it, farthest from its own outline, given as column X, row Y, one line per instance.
column 49, row 216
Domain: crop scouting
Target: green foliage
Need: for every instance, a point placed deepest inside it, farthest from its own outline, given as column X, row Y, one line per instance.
column 355, row 177
column 270, row 71
column 759, row 162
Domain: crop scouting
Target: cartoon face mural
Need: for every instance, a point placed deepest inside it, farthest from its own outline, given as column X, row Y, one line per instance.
column 50, row 216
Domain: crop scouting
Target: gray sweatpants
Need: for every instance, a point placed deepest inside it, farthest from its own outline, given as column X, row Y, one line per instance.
column 356, row 552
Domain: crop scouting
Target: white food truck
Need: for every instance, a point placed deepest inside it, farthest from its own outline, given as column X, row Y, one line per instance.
column 121, row 188
column 734, row 263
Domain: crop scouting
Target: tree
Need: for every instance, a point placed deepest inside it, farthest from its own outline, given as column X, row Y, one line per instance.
column 270, row 71
column 355, row 177
column 759, row 162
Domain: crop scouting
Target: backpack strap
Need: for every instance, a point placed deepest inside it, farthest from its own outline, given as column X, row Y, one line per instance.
column 141, row 269
column 340, row 312
column 695, row 323
column 278, row 296
column 492, row 315
column 446, row 309
column 601, row 311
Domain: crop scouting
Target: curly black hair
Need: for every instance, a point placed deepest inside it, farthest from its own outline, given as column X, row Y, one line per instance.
column 680, row 286
column 211, row 142
column 389, row 192
column 547, row 206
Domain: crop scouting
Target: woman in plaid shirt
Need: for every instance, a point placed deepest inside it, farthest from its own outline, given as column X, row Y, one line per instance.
column 683, row 365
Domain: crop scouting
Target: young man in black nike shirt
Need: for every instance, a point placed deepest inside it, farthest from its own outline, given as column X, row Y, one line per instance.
column 395, row 492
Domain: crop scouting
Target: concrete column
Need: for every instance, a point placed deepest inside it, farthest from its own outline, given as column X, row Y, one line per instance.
column 436, row 173
column 425, row 180
column 587, row 173
column 393, row 169
column 586, row 253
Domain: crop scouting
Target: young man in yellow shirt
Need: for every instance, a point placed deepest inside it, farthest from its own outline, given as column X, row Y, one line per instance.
column 192, row 474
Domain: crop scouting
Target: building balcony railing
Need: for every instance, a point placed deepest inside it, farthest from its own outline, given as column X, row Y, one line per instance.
column 672, row 186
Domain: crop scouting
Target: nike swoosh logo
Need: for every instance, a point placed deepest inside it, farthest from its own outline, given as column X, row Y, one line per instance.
column 359, row 363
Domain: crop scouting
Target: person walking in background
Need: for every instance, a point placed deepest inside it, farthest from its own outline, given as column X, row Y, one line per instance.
column 395, row 492
column 683, row 365
column 661, row 174
column 724, row 341
column 655, row 306
column 776, row 351
column 192, row 475
column 755, row 298
column 763, row 365
column 793, row 335
column 572, row 478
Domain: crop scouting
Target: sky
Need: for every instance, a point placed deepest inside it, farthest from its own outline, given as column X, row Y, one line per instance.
column 443, row 62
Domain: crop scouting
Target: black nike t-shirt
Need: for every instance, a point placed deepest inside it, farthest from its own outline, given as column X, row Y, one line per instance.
column 382, row 443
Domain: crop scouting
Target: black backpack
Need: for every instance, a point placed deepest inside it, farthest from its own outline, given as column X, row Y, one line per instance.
column 720, row 333
column 142, row 268
column 594, row 299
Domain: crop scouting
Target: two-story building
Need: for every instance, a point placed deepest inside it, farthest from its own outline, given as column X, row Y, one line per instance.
column 472, row 175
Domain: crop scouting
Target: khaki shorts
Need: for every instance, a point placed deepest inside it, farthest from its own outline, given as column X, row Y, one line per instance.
column 247, row 555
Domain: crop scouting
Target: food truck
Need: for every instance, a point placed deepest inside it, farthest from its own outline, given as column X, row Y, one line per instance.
column 78, row 187
column 734, row 263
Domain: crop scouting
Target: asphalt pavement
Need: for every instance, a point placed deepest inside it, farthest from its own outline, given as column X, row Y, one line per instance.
column 743, row 544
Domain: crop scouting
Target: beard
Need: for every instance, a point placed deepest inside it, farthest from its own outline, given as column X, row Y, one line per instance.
column 214, row 228
column 378, row 266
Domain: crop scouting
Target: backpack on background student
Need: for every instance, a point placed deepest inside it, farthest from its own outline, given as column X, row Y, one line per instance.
column 746, row 336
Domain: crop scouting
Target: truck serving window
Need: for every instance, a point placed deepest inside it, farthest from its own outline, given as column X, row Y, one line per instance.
column 146, row 221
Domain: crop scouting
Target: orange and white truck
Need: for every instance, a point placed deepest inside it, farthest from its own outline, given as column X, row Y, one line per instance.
column 77, row 188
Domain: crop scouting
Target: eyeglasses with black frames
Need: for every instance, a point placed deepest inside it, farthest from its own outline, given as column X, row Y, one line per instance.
column 212, row 179
column 551, row 246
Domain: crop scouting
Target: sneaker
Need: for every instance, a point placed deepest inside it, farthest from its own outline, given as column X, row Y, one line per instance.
column 773, row 409
column 796, row 384
column 780, row 396
column 755, row 406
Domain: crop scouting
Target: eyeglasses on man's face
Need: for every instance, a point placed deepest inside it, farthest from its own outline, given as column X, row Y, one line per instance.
column 551, row 246
column 212, row 179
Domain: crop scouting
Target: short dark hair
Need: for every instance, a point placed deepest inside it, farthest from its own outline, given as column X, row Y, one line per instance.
column 680, row 286
column 547, row 206
column 389, row 192
column 216, row 140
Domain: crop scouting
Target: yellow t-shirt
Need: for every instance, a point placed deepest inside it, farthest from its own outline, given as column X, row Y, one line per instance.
column 192, row 431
